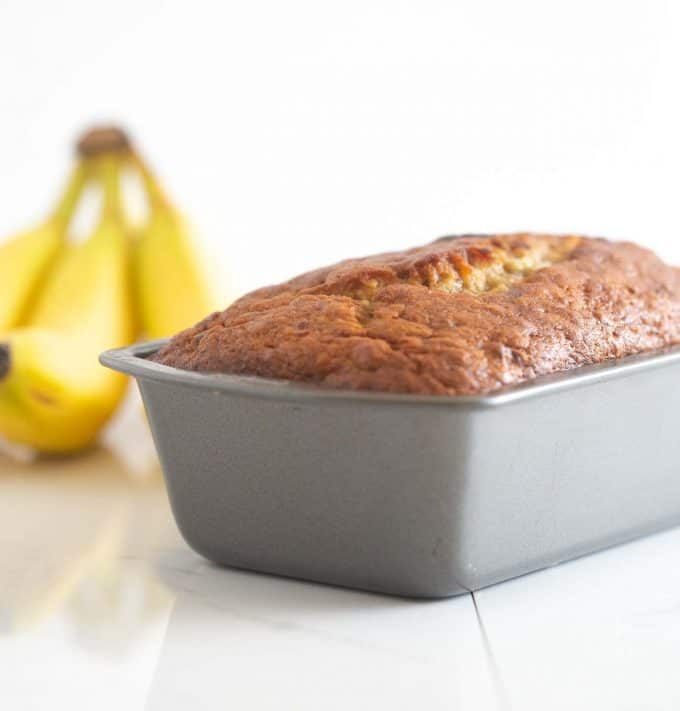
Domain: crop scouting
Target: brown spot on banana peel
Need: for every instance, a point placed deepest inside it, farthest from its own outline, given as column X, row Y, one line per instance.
column 103, row 139
column 5, row 360
column 43, row 398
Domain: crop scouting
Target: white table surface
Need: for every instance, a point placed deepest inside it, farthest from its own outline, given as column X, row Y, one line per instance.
column 103, row 606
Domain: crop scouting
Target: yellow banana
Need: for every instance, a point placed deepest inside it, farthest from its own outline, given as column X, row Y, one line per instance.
column 54, row 396
column 172, row 287
column 26, row 258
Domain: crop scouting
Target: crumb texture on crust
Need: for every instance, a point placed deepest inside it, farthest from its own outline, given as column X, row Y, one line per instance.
column 460, row 316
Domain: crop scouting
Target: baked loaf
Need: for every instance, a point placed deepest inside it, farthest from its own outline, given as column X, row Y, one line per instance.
column 460, row 316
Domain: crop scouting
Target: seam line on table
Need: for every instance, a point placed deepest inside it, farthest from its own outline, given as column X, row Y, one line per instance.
column 494, row 669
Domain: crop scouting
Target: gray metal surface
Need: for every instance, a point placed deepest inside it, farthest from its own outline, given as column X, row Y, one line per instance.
column 411, row 495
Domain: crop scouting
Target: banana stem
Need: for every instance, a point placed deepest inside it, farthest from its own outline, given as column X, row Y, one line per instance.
column 109, row 168
column 5, row 360
column 155, row 192
column 100, row 140
column 74, row 187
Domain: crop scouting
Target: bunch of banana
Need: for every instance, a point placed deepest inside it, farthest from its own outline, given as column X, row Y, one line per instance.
column 62, row 302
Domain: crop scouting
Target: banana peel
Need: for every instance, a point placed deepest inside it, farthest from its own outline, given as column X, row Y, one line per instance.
column 26, row 258
column 172, row 288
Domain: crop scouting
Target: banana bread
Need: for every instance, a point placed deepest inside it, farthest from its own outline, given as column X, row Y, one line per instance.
column 463, row 315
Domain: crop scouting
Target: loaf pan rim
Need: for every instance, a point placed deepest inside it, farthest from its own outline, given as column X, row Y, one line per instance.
column 133, row 360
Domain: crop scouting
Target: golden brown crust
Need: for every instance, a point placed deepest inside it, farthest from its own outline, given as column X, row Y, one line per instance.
column 463, row 315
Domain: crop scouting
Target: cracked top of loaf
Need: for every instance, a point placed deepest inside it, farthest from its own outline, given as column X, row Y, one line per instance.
column 463, row 315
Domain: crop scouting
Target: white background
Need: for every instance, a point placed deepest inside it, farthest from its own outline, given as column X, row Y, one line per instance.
column 297, row 133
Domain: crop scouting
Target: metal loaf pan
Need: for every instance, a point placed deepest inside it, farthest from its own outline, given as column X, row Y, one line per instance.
column 410, row 495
